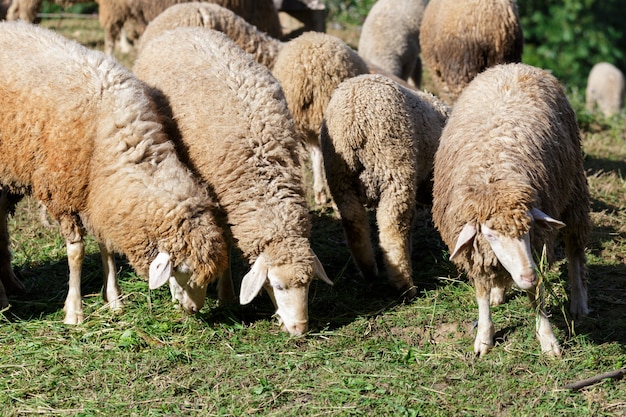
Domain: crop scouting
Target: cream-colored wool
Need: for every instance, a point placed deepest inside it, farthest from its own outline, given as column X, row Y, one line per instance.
column 605, row 89
column 461, row 38
column 113, row 15
column 308, row 67
column 80, row 133
column 378, row 141
column 230, row 120
column 511, row 145
column 390, row 38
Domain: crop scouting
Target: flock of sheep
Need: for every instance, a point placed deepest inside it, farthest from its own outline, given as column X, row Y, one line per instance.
column 201, row 147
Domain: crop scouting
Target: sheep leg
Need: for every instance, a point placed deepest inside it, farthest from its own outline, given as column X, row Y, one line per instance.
column 9, row 283
column 485, row 330
column 498, row 295
column 319, row 175
column 73, row 303
column 111, row 291
column 357, row 229
column 225, row 287
column 577, row 271
column 394, row 228
column 543, row 328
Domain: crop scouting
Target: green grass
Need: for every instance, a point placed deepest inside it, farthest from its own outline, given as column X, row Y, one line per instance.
column 368, row 354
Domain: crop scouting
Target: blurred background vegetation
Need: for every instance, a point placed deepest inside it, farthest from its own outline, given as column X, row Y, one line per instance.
column 565, row 36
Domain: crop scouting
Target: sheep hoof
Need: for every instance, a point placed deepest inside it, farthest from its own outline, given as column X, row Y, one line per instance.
column 73, row 317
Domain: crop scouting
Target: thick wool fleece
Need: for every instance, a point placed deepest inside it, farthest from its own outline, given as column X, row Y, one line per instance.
column 379, row 140
column 511, row 144
column 81, row 134
column 263, row 47
column 233, row 127
column 113, row 14
column 461, row 38
column 390, row 37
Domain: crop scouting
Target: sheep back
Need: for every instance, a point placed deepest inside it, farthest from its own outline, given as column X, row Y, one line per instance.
column 461, row 38
column 511, row 144
column 213, row 16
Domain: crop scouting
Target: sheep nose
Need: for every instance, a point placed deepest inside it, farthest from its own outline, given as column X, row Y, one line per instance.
column 297, row 329
column 530, row 278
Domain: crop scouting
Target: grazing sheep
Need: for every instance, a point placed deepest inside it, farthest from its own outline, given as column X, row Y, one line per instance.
column 308, row 67
column 461, row 38
column 509, row 163
column 390, row 38
column 605, row 89
column 80, row 133
column 113, row 14
column 231, row 122
column 378, row 141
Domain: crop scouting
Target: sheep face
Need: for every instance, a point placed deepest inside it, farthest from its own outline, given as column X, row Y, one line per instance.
column 185, row 290
column 513, row 252
column 287, row 286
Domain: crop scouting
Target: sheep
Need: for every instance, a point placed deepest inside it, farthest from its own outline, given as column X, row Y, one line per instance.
column 378, row 140
column 81, row 134
column 228, row 115
column 509, row 164
column 308, row 67
column 390, row 38
column 113, row 14
column 461, row 38
column 605, row 89
column 26, row 10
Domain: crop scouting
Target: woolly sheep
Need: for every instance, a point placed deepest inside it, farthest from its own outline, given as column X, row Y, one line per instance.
column 230, row 119
column 378, row 141
column 508, row 164
column 80, row 133
column 605, row 89
column 308, row 67
column 26, row 10
column 461, row 38
column 390, row 38
column 114, row 13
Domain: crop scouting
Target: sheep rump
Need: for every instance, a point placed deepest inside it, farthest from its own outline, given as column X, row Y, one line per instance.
column 510, row 154
column 81, row 135
column 231, row 122
column 461, row 38
column 605, row 89
column 379, row 140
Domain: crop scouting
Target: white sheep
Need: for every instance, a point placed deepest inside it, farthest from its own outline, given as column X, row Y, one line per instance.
column 114, row 15
column 80, row 133
column 228, row 115
column 461, row 38
column 605, row 89
column 308, row 67
column 378, row 141
column 389, row 38
column 508, row 164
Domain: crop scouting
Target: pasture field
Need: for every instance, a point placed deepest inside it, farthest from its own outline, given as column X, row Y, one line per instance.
column 368, row 353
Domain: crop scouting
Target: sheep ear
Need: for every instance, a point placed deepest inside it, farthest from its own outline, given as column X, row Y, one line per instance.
column 466, row 237
column 318, row 270
column 540, row 216
column 160, row 271
column 253, row 281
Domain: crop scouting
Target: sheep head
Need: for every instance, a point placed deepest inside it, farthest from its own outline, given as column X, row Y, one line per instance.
column 186, row 291
column 513, row 251
column 289, row 295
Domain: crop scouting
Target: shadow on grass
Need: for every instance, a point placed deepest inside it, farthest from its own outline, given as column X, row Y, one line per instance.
column 594, row 165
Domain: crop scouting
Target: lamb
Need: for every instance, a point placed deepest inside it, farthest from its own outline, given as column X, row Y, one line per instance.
column 113, row 15
column 228, row 115
column 308, row 67
column 508, row 165
column 378, row 141
column 605, row 89
column 390, row 38
column 80, row 133
column 461, row 38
